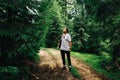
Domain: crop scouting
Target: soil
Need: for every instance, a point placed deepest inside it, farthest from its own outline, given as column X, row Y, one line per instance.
column 50, row 68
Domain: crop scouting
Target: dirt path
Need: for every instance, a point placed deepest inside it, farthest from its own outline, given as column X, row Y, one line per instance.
column 51, row 64
column 51, row 67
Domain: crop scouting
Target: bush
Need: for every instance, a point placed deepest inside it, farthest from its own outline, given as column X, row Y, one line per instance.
column 54, row 24
column 19, row 39
column 9, row 73
column 19, row 45
column 116, row 52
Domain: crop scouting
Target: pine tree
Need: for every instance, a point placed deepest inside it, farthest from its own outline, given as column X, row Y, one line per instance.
column 55, row 23
column 19, row 38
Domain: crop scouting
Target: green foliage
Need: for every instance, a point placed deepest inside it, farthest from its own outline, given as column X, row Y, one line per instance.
column 79, row 35
column 111, row 29
column 19, row 38
column 74, row 72
column 54, row 25
column 24, row 24
column 102, row 24
column 9, row 73
column 116, row 54
column 13, row 73
column 101, row 64
column 14, row 12
column 94, row 41
column 86, row 35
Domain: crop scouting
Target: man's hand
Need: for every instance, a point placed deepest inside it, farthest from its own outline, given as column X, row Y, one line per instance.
column 70, row 49
column 70, row 44
column 57, row 46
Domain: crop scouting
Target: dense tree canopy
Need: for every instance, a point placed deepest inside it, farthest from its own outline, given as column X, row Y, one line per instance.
column 26, row 25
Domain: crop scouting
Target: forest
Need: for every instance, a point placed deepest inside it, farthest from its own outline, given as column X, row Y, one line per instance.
column 28, row 26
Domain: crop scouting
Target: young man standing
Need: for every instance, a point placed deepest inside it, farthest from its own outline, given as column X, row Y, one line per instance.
column 65, row 47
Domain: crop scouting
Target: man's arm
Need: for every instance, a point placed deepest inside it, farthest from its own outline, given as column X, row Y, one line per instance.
column 59, row 44
column 70, row 44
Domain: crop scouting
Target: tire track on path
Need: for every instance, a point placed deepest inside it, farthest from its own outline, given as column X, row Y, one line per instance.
column 53, row 61
column 86, row 71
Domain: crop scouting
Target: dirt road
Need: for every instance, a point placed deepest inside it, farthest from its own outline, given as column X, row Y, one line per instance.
column 51, row 64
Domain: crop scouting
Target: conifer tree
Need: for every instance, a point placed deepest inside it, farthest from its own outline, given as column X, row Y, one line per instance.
column 19, row 38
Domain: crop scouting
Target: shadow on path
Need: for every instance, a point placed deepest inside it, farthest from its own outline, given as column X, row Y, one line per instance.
column 47, row 73
column 50, row 64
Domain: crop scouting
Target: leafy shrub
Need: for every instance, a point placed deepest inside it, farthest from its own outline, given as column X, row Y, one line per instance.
column 19, row 38
column 54, row 24
column 116, row 52
column 9, row 73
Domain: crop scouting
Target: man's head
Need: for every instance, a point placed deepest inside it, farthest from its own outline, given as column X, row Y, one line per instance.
column 65, row 30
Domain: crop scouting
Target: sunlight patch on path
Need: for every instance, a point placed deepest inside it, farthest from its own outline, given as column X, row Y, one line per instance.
column 53, row 61
column 86, row 71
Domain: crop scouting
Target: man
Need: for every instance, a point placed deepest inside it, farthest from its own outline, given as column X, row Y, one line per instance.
column 65, row 47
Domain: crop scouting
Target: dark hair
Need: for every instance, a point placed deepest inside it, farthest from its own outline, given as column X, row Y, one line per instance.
column 67, row 29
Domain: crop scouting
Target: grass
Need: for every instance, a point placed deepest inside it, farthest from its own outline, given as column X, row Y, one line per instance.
column 91, row 60
column 94, row 62
column 75, row 73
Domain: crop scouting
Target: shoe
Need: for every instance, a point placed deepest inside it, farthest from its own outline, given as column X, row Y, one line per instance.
column 69, row 68
column 63, row 68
